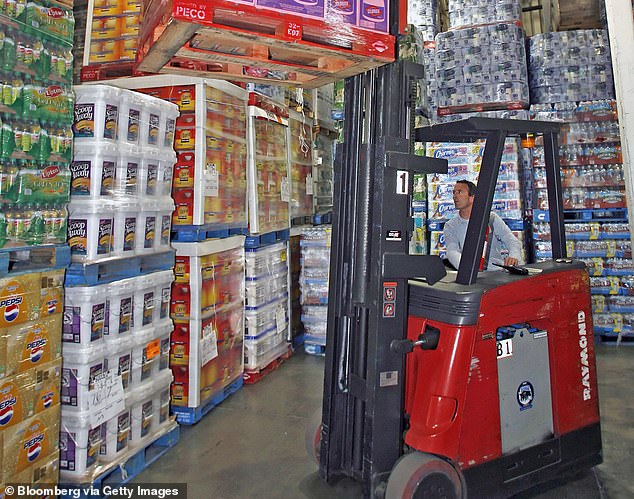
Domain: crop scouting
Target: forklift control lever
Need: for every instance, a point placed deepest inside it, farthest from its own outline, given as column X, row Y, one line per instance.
column 428, row 340
column 513, row 269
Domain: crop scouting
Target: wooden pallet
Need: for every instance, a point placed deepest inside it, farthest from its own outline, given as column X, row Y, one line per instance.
column 579, row 14
column 108, row 71
column 248, row 44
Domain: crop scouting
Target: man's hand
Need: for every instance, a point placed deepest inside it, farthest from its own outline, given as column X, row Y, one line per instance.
column 509, row 261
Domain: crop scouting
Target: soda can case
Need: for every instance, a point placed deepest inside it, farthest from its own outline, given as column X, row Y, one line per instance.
column 111, row 32
column 32, row 442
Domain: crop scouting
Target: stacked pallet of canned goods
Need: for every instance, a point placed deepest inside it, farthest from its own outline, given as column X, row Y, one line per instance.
column 30, row 376
column 209, row 189
column 116, row 331
column 271, row 148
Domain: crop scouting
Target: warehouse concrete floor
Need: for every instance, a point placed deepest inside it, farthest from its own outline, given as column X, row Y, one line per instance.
column 252, row 445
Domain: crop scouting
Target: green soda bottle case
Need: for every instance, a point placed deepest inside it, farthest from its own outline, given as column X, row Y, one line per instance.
column 32, row 225
column 36, row 114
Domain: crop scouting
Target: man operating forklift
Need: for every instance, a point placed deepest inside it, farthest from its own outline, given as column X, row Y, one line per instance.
column 501, row 248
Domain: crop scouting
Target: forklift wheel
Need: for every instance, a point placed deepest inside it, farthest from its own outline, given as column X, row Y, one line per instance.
column 422, row 476
column 313, row 436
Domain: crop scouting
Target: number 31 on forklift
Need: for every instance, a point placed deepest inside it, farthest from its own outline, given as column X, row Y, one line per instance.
column 505, row 348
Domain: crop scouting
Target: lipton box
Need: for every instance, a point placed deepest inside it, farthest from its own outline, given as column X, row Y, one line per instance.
column 33, row 344
column 30, row 443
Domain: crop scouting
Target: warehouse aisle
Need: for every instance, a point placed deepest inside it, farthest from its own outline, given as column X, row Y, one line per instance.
column 252, row 445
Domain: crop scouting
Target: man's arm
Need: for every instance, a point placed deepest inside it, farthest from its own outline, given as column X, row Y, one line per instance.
column 510, row 241
column 452, row 243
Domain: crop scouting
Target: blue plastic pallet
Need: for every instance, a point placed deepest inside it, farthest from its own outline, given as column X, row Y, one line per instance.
column 14, row 261
column 113, row 269
column 198, row 233
column 323, row 219
column 314, row 349
column 192, row 415
column 298, row 341
column 612, row 338
column 123, row 473
column 257, row 241
column 599, row 215
column 585, row 236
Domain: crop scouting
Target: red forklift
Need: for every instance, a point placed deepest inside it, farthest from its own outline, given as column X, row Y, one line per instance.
column 443, row 384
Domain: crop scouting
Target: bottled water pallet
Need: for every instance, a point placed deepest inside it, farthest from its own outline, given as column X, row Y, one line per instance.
column 253, row 376
column 115, row 268
column 596, row 215
column 23, row 259
column 199, row 233
column 128, row 466
column 314, row 349
column 323, row 219
column 192, row 415
column 257, row 241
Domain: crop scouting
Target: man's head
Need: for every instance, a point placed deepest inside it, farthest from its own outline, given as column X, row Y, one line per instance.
column 463, row 195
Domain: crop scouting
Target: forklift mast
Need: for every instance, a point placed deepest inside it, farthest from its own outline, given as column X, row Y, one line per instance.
column 363, row 420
